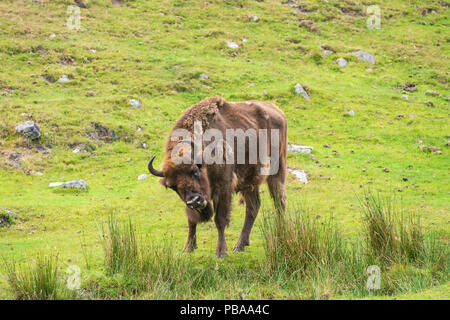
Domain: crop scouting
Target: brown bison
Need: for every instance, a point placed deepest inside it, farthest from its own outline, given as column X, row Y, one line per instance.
column 205, row 169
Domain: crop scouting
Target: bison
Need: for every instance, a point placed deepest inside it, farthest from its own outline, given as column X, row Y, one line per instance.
column 205, row 176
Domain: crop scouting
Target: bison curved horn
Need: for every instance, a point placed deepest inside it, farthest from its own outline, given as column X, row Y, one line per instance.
column 152, row 170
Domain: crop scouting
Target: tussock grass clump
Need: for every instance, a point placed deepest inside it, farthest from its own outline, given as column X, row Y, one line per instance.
column 297, row 242
column 393, row 236
column 120, row 247
column 310, row 258
column 156, row 269
column 36, row 282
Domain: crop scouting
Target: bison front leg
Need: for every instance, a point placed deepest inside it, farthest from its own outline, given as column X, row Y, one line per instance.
column 252, row 205
column 222, row 218
column 191, row 243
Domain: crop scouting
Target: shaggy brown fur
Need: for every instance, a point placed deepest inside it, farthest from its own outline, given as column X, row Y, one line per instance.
column 214, row 184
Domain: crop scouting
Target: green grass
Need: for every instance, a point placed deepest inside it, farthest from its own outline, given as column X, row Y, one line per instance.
column 36, row 282
column 155, row 52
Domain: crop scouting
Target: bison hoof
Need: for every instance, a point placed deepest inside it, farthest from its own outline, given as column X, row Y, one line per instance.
column 238, row 249
column 189, row 248
column 221, row 255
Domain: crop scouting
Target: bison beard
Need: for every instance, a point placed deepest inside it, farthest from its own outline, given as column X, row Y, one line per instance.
column 215, row 183
column 203, row 215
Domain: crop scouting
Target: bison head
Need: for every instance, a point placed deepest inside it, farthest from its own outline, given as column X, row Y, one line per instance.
column 190, row 182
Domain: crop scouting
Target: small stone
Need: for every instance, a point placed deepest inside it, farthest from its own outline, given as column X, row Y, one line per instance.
column 77, row 150
column 134, row 103
column 74, row 184
column 365, row 56
column 405, row 97
column 431, row 149
column 92, row 50
column 232, row 45
column 38, row 173
column 364, row 170
column 328, row 52
column 300, row 175
column 52, row 36
column 369, row 70
column 301, row 91
column 405, row 179
column 29, row 129
column 386, row 170
column 410, row 87
column 64, row 79
column 310, row 25
column 327, row 146
column 142, row 177
column 432, row 93
column 351, row 113
column 91, row 94
column 138, row 128
column 255, row 19
column 46, row 134
column 144, row 146
column 294, row 148
column 203, row 76
column 341, row 62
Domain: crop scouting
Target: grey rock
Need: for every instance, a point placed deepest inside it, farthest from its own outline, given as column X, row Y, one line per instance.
column 341, row 62
column 55, row 184
column 365, row 56
column 134, row 103
column 300, row 175
column 75, row 184
column 232, row 45
column 295, row 148
column 143, row 177
column 29, row 129
column 328, row 52
column 255, row 19
column 64, row 79
column 300, row 90
column 351, row 113
column 203, row 76
column 432, row 93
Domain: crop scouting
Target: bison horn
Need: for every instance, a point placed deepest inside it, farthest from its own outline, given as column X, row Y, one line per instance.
column 152, row 170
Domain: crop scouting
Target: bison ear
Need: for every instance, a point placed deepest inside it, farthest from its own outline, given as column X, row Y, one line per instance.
column 220, row 101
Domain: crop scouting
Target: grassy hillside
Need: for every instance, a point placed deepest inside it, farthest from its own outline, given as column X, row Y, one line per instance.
column 155, row 52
